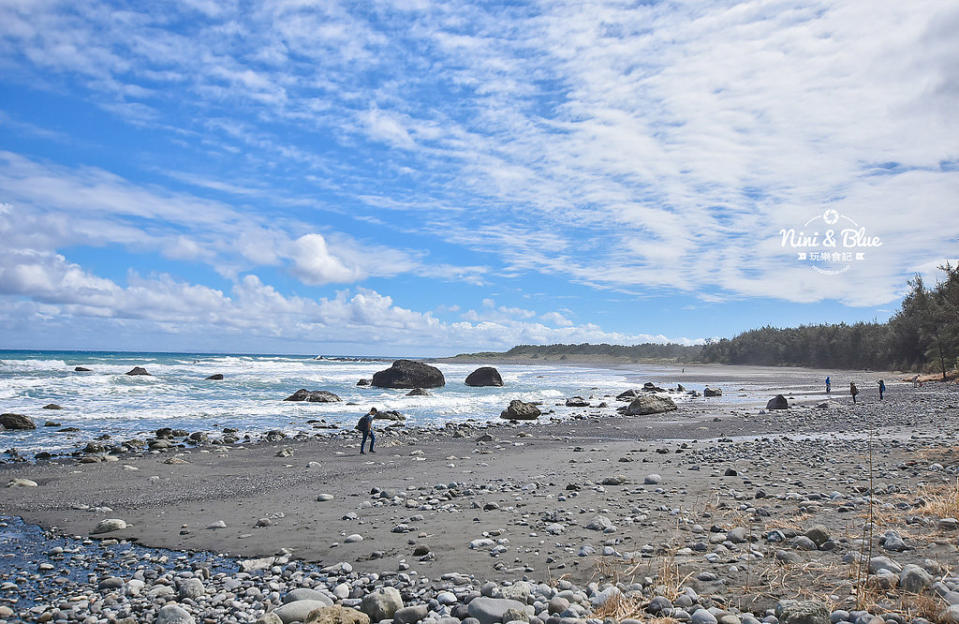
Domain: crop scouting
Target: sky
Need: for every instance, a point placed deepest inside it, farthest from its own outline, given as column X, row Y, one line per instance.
column 420, row 178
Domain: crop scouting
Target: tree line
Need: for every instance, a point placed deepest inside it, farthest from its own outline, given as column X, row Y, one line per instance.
column 923, row 335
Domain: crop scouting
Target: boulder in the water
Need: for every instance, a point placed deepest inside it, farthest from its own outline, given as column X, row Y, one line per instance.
column 52, row 406
column 363, row 382
column 16, row 422
column 629, row 395
column 313, row 396
column 484, row 376
column 577, row 401
column 650, row 404
column 712, row 392
column 216, row 377
column 778, row 402
column 651, row 387
column 418, row 392
column 138, row 370
column 409, row 374
column 389, row 415
column 519, row 410
column 82, row 369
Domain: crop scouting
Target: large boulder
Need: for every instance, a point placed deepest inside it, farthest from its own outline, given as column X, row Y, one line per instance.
column 16, row 421
column 650, row 404
column 172, row 613
column 409, row 374
column 138, row 370
column 82, row 369
column 777, row 402
column 298, row 610
column 389, row 415
column 215, row 377
column 336, row 615
column 492, row 610
column 803, row 612
column 518, row 410
column 629, row 395
column 484, row 376
column 313, row 396
column 712, row 392
column 382, row 603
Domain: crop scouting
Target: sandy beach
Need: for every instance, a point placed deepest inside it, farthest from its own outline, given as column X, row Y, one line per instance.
column 597, row 499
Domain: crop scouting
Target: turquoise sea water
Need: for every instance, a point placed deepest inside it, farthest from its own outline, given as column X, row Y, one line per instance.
column 250, row 398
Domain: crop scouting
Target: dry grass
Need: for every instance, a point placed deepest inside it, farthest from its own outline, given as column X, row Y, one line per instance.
column 940, row 501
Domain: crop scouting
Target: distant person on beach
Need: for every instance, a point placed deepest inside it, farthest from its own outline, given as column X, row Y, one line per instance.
column 366, row 426
column 853, row 390
column 828, row 385
column 882, row 389
column 915, row 381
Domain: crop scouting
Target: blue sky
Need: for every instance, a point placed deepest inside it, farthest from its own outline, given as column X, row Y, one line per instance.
column 430, row 178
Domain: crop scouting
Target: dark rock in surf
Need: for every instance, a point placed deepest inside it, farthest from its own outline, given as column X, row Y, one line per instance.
column 363, row 382
column 313, row 396
column 216, row 377
column 16, row 422
column 52, row 406
column 629, row 395
column 409, row 374
column 712, row 392
column 82, row 369
column 418, row 392
column 138, row 370
column 484, row 376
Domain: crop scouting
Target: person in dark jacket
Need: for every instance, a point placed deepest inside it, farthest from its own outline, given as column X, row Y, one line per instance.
column 853, row 390
column 882, row 389
column 366, row 426
column 828, row 385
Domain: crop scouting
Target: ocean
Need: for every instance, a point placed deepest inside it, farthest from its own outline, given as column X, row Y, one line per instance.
column 250, row 397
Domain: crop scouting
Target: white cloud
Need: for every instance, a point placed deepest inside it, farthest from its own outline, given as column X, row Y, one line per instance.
column 314, row 264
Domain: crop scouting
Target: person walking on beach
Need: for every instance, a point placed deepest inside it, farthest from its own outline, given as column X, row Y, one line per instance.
column 853, row 390
column 915, row 381
column 366, row 426
column 828, row 385
column 882, row 389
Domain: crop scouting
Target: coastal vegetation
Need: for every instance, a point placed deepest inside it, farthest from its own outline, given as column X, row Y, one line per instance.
column 922, row 336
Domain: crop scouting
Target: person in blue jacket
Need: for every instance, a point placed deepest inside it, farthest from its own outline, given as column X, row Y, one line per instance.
column 882, row 389
column 828, row 386
column 366, row 427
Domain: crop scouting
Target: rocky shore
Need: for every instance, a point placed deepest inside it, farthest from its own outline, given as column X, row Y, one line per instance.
column 709, row 514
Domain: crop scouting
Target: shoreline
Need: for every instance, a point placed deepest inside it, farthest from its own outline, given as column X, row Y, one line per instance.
column 524, row 496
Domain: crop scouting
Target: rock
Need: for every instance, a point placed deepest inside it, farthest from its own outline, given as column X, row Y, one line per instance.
column 818, row 534
column 652, row 479
column 778, row 402
column 737, row 535
column 801, row 542
column 82, row 369
column 305, row 593
column 322, row 498
column 191, row 588
column 484, row 376
column 883, row 563
column 22, row 483
column 52, row 406
column 650, row 404
column 891, row 540
column 492, row 610
column 804, row 612
column 138, row 370
column 409, row 374
column 629, row 395
column 712, row 392
column 313, row 396
column 353, row 539
column 109, row 525
column 702, row 616
column 172, row 613
column 410, row 615
column 418, row 392
column 363, row 382
column 298, row 610
column 382, row 603
column 577, row 401
column 914, row 579
column 16, row 422
column 215, row 377
column 269, row 618
column 336, row 615
column 389, row 415
column 518, row 410
column 599, row 523
column 949, row 615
